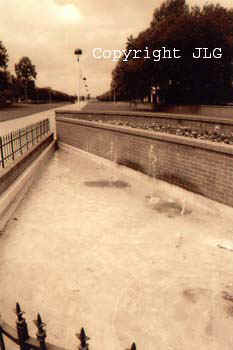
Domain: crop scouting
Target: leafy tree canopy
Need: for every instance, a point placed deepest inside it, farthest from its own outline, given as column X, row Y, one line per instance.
column 3, row 56
column 25, row 70
column 175, row 25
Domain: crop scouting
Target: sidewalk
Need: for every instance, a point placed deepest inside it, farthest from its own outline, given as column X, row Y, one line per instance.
column 98, row 246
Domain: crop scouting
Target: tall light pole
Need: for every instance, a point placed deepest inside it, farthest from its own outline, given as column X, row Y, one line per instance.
column 78, row 52
column 84, row 81
column 86, row 86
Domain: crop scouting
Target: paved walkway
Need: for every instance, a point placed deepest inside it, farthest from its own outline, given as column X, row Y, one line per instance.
column 109, row 250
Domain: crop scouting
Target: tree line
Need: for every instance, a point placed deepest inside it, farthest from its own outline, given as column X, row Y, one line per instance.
column 22, row 85
column 186, row 80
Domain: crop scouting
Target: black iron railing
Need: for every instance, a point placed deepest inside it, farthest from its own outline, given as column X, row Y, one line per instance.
column 21, row 337
column 20, row 141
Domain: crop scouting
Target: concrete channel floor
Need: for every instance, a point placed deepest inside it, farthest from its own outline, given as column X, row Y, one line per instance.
column 98, row 246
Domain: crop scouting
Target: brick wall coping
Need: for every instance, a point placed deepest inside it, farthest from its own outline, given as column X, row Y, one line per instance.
column 203, row 144
column 199, row 118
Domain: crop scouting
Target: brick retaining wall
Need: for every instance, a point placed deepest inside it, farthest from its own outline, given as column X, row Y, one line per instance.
column 199, row 166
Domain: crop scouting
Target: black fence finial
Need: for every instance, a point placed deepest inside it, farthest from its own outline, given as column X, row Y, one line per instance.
column 19, row 312
column 133, row 346
column 83, row 340
column 41, row 333
column 22, row 328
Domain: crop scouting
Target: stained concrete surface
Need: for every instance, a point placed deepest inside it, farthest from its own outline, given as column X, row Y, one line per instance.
column 120, row 261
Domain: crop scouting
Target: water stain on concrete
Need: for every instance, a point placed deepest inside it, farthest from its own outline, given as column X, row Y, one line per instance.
column 193, row 294
column 227, row 296
column 179, row 242
column 169, row 207
column 107, row 183
column 179, row 181
column 229, row 310
column 131, row 164
column 209, row 328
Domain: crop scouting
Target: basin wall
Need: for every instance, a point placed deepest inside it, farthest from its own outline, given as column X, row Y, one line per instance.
column 200, row 166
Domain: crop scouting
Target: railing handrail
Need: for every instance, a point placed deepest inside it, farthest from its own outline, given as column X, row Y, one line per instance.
column 7, row 126
column 19, row 141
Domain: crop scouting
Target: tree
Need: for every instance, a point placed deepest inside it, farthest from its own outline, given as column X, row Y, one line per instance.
column 184, row 80
column 3, row 71
column 3, row 56
column 26, row 73
column 170, row 9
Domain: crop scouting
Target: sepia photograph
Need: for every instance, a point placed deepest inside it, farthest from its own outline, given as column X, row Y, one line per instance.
column 116, row 175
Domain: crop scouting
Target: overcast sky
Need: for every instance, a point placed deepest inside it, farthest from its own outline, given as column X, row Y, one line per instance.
column 48, row 31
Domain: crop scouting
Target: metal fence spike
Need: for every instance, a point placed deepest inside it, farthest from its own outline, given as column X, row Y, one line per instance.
column 18, row 309
column 41, row 333
column 39, row 323
column 21, row 324
column 39, row 320
column 83, row 334
column 19, row 312
column 133, row 346
column 83, row 339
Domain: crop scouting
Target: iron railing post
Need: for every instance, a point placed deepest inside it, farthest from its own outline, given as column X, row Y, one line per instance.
column 44, row 127
column 12, row 147
column 20, row 142
column 83, row 338
column 133, row 346
column 2, row 153
column 22, row 329
column 32, row 135
column 37, row 132
column 26, row 134
column 41, row 334
column 2, row 344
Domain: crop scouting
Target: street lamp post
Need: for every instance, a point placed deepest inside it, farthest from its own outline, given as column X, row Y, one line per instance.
column 86, row 86
column 78, row 52
column 84, row 83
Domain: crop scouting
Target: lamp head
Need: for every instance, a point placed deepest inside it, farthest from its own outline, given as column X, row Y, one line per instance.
column 78, row 52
